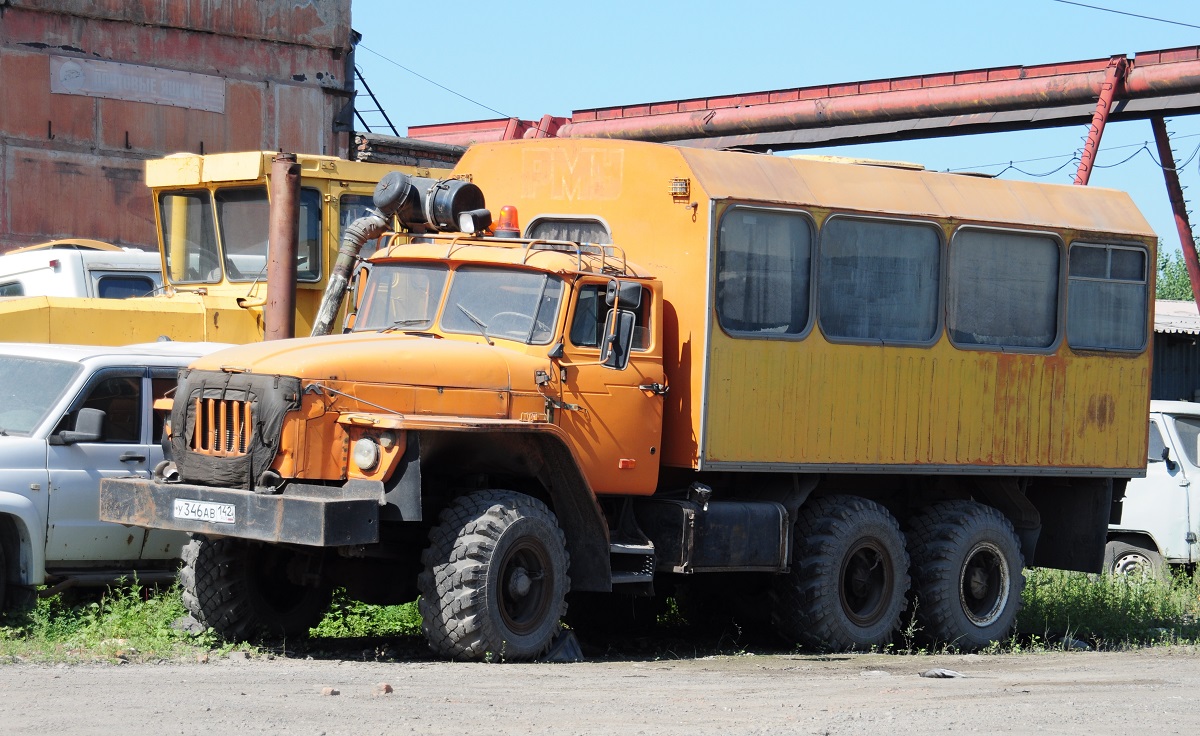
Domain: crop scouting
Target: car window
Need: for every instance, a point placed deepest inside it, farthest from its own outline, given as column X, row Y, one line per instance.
column 1188, row 429
column 120, row 398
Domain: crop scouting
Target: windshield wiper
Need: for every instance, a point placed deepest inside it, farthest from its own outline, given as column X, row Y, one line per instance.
column 478, row 323
column 403, row 323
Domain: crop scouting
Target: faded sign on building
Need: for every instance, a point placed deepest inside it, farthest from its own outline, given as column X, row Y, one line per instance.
column 136, row 83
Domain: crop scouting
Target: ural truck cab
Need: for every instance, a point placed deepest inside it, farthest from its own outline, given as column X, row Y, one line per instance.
column 834, row 385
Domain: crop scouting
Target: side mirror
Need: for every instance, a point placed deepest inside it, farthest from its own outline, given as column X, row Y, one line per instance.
column 618, row 339
column 89, row 427
column 629, row 293
column 1166, row 456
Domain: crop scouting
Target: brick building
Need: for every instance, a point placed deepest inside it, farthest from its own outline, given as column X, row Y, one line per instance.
column 93, row 87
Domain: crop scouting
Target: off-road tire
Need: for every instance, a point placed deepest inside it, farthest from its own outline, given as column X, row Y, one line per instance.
column 241, row 589
column 967, row 574
column 1127, row 558
column 495, row 578
column 848, row 583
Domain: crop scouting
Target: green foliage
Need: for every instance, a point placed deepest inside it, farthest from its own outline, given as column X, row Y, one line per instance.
column 1111, row 610
column 1173, row 281
column 127, row 622
column 350, row 618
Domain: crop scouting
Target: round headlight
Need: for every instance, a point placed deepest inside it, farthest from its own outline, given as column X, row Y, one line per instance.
column 366, row 454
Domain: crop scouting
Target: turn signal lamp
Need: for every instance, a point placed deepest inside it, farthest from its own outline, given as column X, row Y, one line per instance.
column 506, row 226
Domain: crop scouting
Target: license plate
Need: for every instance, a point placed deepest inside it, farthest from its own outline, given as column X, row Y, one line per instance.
column 217, row 513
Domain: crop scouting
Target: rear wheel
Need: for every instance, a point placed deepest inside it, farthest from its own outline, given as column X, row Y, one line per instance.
column 967, row 573
column 495, row 579
column 242, row 589
column 849, row 577
column 1128, row 558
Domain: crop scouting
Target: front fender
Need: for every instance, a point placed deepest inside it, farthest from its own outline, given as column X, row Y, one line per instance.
column 31, row 536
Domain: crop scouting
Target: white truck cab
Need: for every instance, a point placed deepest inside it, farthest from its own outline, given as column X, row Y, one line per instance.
column 79, row 267
column 69, row 416
column 1159, row 519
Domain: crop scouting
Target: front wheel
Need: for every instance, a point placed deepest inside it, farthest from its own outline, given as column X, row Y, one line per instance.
column 967, row 574
column 241, row 589
column 495, row 579
column 849, row 578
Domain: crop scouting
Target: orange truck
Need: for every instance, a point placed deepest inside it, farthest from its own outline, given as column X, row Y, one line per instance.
column 826, row 387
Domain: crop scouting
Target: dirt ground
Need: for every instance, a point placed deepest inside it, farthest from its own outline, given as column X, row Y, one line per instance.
column 1152, row 691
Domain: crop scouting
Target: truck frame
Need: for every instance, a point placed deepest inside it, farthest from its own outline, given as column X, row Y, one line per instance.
column 823, row 386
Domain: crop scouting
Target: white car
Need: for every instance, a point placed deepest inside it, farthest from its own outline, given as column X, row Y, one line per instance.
column 1159, row 521
column 69, row 416
column 79, row 267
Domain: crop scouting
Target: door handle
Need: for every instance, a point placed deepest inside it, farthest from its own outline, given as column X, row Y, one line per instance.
column 656, row 388
column 132, row 457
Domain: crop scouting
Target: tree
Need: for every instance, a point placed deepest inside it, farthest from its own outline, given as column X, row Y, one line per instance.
column 1173, row 281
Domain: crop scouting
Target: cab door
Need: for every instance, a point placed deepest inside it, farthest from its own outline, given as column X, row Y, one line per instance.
column 74, row 531
column 613, row 417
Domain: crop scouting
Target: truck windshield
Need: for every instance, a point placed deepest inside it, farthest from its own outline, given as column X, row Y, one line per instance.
column 29, row 389
column 189, row 234
column 402, row 296
column 506, row 303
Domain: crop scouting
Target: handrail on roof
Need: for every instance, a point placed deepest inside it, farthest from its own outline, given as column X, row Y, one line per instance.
column 612, row 258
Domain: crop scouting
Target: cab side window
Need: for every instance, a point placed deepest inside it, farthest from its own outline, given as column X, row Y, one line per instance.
column 1156, row 443
column 591, row 316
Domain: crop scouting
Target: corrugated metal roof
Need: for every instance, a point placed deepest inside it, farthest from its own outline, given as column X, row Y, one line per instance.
column 1176, row 317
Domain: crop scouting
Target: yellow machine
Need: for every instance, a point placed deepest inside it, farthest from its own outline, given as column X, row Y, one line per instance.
column 816, row 388
column 211, row 213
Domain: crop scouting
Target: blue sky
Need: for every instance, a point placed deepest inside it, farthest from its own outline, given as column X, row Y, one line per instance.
column 530, row 59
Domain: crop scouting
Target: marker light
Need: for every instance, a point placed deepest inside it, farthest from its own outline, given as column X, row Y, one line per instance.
column 506, row 226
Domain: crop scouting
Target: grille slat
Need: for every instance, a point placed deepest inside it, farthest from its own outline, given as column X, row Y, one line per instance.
column 222, row 427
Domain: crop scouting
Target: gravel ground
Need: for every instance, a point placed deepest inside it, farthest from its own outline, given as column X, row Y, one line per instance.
column 1151, row 691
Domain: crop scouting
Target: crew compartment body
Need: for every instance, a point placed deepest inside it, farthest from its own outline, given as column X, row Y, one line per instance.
column 790, row 346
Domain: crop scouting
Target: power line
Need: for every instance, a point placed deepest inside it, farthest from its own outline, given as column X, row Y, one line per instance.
column 1072, row 157
column 436, row 84
column 1131, row 15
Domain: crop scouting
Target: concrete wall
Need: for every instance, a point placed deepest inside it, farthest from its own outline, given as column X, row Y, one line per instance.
column 93, row 87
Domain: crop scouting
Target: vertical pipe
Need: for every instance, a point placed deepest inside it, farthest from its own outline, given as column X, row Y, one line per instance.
column 1175, row 194
column 282, row 244
column 1116, row 70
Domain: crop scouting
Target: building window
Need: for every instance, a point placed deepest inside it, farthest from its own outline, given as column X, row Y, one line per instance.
column 1107, row 297
column 764, row 258
column 879, row 280
column 1002, row 289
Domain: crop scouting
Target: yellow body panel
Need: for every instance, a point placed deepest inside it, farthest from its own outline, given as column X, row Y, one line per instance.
column 775, row 404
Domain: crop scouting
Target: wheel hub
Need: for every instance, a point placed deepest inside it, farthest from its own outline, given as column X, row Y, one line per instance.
column 864, row 583
column 525, row 593
column 984, row 584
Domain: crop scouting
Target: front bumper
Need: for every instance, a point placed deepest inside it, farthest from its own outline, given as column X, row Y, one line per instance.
column 317, row 516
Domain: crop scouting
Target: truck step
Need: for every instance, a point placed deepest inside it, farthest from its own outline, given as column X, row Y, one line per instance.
column 631, row 563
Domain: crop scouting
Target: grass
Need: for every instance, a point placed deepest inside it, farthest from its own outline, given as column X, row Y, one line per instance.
column 1111, row 612
column 133, row 623
column 127, row 623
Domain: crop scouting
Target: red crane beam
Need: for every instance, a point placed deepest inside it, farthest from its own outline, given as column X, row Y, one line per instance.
column 921, row 106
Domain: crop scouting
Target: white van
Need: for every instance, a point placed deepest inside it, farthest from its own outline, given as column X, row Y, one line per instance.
column 1159, row 519
column 69, row 416
column 79, row 267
